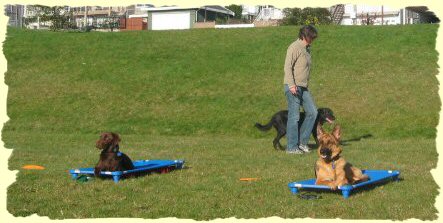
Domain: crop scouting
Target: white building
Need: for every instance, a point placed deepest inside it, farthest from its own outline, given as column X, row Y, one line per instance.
column 138, row 9
column 15, row 14
column 173, row 17
column 349, row 14
column 269, row 12
column 96, row 16
column 261, row 13
column 376, row 15
column 36, row 13
column 249, row 12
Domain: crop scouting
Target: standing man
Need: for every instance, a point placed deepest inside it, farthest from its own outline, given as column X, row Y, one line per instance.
column 297, row 70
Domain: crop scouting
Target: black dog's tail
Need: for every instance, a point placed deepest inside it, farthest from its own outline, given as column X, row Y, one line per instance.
column 264, row 127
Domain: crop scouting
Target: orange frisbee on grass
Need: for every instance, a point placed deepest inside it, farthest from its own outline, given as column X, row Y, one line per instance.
column 32, row 167
column 248, row 179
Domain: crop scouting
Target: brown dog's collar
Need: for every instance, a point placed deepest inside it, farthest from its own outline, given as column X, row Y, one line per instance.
column 116, row 148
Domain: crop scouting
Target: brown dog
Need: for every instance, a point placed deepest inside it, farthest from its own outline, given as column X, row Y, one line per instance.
column 111, row 159
column 331, row 169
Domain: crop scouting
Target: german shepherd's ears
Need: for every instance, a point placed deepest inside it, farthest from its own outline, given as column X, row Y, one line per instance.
column 336, row 132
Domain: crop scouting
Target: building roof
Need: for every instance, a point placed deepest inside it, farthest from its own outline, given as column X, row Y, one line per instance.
column 217, row 8
column 378, row 14
column 168, row 8
column 424, row 11
column 213, row 8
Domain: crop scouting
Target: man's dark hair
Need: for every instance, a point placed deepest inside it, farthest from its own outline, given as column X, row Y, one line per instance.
column 307, row 32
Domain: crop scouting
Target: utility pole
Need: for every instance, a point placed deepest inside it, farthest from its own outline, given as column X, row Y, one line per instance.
column 86, row 16
column 25, row 11
column 16, row 15
column 382, row 15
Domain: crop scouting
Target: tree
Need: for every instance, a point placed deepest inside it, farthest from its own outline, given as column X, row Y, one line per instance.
column 324, row 16
column 368, row 20
column 237, row 9
column 40, row 14
column 59, row 16
column 112, row 22
column 292, row 16
column 314, row 16
column 311, row 20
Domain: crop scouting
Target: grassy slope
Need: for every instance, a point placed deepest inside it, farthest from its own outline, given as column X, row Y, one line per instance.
column 379, row 80
column 195, row 95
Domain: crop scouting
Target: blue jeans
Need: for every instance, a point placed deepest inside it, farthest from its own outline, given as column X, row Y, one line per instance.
column 310, row 109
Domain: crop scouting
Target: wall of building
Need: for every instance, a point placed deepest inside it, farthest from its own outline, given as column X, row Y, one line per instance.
column 266, row 23
column 171, row 19
column 202, row 25
column 356, row 14
column 133, row 24
column 15, row 14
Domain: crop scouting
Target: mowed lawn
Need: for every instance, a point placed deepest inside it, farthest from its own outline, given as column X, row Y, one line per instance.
column 196, row 95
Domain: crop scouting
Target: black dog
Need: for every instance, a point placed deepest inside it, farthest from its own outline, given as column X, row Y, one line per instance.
column 280, row 119
column 111, row 159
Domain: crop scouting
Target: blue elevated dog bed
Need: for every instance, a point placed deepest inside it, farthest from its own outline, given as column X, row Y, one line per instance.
column 162, row 166
column 375, row 176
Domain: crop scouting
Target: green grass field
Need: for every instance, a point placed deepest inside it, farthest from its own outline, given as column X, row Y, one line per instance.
column 195, row 95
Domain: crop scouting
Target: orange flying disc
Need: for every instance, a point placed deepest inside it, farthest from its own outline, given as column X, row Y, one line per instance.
column 33, row 167
column 248, row 179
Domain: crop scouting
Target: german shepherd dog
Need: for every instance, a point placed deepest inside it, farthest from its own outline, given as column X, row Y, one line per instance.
column 331, row 169
column 279, row 121
column 111, row 159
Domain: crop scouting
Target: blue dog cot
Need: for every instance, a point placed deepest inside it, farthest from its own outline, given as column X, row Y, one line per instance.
column 375, row 176
column 163, row 166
